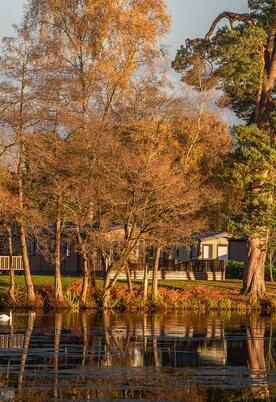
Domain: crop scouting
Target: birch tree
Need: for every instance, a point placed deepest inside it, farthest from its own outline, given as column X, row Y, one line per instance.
column 18, row 115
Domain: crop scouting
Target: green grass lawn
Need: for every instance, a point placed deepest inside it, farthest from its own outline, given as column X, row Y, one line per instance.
column 229, row 285
column 232, row 286
column 37, row 279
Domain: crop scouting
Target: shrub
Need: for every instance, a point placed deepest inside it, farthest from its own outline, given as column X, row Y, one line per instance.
column 21, row 299
column 211, row 304
column 73, row 299
column 73, row 292
column 46, row 292
column 234, row 269
column 226, row 304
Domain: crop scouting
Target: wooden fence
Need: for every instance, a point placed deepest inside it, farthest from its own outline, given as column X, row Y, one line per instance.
column 17, row 263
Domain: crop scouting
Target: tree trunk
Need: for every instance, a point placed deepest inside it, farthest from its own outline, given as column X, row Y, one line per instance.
column 24, row 249
column 145, row 283
column 270, row 263
column 110, row 283
column 107, row 289
column 59, row 298
column 86, row 281
column 93, row 261
column 11, row 270
column 155, row 275
column 253, row 278
column 129, row 281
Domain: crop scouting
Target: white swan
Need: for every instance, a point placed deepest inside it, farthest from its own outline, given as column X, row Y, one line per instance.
column 5, row 317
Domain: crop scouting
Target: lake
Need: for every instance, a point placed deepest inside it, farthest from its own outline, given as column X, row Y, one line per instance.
column 118, row 357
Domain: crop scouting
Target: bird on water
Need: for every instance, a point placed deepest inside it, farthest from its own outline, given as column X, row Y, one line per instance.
column 6, row 317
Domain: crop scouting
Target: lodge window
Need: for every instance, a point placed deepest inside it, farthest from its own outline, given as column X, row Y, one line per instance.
column 206, row 251
column 222, row 252
column 31, row 245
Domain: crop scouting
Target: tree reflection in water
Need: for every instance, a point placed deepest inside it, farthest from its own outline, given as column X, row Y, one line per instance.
column 58, row 329
column 27, row 338
column 130, row 356
column 256, row 356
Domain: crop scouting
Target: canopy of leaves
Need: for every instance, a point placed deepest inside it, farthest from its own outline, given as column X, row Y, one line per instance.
column 250, row 174
column 232, row 60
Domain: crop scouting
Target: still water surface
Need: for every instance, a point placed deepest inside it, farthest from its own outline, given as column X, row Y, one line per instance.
column 117, row 357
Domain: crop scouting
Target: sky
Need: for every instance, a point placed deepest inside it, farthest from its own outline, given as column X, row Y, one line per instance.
column 190, row 19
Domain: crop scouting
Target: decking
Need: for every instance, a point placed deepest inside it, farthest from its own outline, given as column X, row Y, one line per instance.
column 212, row 270
column 17, row 263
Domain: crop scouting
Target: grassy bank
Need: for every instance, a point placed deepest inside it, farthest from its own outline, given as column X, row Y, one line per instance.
column 181, row 295
column 37, row 280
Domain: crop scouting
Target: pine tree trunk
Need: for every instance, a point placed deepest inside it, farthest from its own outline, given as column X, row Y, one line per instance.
column 11, row 270
column 59, row 298
column 253, row 279
column 155, row 275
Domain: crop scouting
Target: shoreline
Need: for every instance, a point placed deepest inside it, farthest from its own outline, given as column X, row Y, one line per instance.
column 194, row 297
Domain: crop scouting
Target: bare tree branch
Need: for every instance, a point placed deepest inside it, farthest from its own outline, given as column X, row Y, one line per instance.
column 232, row 17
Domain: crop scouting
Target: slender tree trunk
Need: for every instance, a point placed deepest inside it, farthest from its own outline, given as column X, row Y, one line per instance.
column 146, row 280
column 24, row 248
column 107, row 289
column 11, row 270
column 59, row 298
column 155, row 275
column 86, row 281
column 253, row 279
column 93, row 260
column 129, row 280
column 20, row 168
column 271, row 271
column 270, row 263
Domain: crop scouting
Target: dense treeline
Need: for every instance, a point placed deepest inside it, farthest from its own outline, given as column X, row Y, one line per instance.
column 92, row 139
